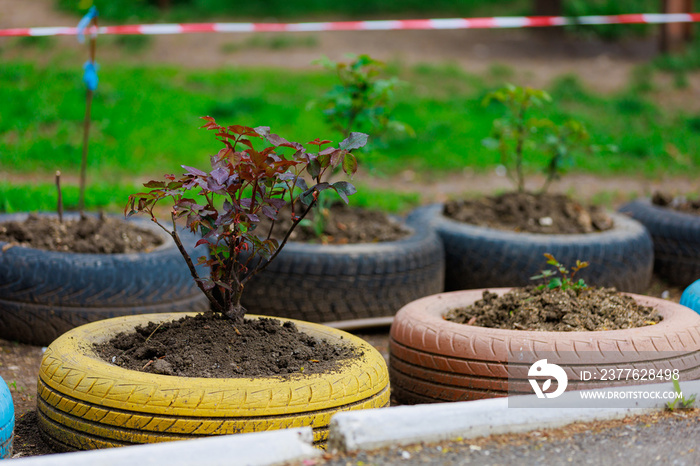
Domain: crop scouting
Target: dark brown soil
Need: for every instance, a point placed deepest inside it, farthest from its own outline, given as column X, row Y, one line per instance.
column 529, row 212
column 556, row 310
column 91, row 235
column 211, row 346
column 28, row 440
column 679, row 203
column 344, row 225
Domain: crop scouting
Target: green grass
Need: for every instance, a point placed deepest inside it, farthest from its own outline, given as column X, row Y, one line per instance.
column 42, row 197
column 687, row 60
column 611, row 7
column 385, row 200
column 146, row 122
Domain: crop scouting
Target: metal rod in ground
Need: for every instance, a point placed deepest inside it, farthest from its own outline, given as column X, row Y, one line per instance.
column 86, row 126
column 60, row 196
column 83, row 164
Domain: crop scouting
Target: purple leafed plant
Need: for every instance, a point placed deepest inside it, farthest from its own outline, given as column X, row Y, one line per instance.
column 246, row 183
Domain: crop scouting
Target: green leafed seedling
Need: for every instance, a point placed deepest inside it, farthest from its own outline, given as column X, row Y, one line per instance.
column 565, row 279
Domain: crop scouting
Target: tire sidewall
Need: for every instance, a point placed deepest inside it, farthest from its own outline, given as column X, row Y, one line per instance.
column 477, row 256
column 67, row 273
column 45, row 293
column 433, row 360
column 375, row 279
column 676, row 238
column 429, row 311
column 73, row 353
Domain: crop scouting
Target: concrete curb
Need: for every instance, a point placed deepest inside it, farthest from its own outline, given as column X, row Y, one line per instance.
column 256, row 449
column 406, row 425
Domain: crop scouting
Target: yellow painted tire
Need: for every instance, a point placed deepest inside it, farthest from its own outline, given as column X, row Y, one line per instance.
column 86, row 403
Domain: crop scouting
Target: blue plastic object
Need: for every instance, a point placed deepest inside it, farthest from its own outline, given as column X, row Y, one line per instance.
column 90, row 75
column 85, row 22
column 691, row 296
column 7, row 421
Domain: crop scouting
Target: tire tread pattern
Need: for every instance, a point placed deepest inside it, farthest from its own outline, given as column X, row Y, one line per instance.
column 45, row 293
column 435, row 360
column 85, row 402
column 676, row 237
column 480, row 257
column 325, row 283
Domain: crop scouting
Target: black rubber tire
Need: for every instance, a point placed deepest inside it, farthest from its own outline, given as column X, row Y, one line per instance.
column 676, row 237
column 45, row 293
column 480, row 257
column 327, row 283
column 7, row 421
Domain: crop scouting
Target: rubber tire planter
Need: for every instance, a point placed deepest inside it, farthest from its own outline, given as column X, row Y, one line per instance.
column 7, row 421
column 691, row 297
column 479, row 257
column 45, row 293
column 434, row 360
column 86, row 403
column 327, row 283
column 676, row 237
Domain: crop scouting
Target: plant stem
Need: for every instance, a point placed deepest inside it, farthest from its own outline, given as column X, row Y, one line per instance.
column 260, row 268
column 193, row 271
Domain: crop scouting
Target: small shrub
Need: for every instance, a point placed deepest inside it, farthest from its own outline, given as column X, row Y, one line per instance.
column 515, row 134
column 362, row 101
column 226, row 204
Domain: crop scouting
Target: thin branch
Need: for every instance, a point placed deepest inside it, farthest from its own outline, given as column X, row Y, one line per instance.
column 259, row 268
column 193, row 271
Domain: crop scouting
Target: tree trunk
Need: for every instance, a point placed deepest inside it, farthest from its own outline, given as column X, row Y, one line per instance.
column 674, row 36
column 547, row 7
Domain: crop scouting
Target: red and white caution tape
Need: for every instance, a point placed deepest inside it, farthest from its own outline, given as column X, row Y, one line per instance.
column 390, row 25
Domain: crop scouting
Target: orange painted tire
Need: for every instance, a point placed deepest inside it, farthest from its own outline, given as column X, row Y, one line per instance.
column 434, row 360
column 86, row 403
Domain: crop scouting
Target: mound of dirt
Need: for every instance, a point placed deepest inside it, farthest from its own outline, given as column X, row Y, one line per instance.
column 543, row 309
column 528, row 212
column 88, row 235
